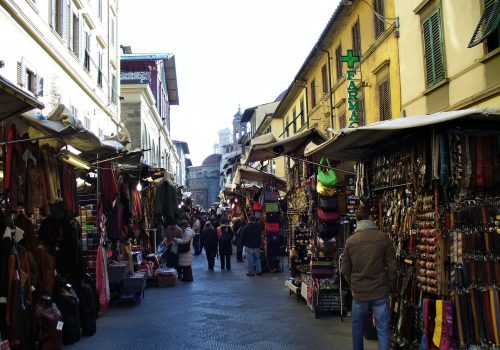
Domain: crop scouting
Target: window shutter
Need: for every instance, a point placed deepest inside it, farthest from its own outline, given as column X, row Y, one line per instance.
column 33, row 83
column 338, row 56
column 434, row 57
column 52, row 13
column 384, row 100
column 39, row 86
column 488, row 23
column 76, row 35
column 342, row 120
column 324, row 77
column 356, row 38
column 378, row 7
column 71, row 32
column 20, row 74
column 361, row 111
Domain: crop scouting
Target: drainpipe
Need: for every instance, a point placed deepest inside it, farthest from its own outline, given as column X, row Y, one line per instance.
column 329, row 85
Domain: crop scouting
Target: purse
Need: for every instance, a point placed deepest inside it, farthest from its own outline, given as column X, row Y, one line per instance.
column 271, row 207
column 272, row 217
column 326, row 175
column 256, row 206
column 184, row 247
column 270, row 196
column 328, row 217
column 328, row 231
column 272, row 227
column 325, row 191
column 328, row 203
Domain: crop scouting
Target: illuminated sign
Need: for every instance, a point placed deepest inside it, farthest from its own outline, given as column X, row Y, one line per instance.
column 352, row 89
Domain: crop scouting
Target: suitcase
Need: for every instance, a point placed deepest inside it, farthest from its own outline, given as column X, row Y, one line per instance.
column 165, row 277
column 88, row 310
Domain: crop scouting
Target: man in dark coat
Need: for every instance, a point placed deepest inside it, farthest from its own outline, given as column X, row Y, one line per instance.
column 369, row 266
column 238, row 225
column 251, row 237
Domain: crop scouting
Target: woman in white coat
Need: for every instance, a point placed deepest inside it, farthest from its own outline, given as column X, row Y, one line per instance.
column 186, row 259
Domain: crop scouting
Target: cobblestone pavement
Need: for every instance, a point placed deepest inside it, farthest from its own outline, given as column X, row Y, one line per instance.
column 219, row 310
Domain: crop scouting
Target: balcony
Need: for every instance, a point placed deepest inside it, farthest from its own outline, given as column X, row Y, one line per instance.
column 135, row 77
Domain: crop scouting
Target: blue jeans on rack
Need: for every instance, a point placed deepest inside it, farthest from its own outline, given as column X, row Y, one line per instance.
column 380, row 310
column 253, row 260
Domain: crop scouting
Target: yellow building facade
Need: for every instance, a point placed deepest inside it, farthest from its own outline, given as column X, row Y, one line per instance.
column 449, row 55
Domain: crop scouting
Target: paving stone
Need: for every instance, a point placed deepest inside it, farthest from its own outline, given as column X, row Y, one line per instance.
column 219, row 310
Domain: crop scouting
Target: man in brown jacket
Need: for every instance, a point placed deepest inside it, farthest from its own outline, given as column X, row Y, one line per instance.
column 369, row 266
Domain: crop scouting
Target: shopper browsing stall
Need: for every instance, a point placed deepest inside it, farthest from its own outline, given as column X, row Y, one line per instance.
column 251, row 237
column 369, row 266
column 184, row 251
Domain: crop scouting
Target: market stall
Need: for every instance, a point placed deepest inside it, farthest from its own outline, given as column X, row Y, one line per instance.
column 433, row 185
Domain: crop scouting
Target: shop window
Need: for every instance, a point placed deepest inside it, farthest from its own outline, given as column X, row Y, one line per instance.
column 324, row 79
column 338, row 61
column 356, row 38
column 378, row 17
column 433, row 48
column 313, row 93
column 384, row 100
column 488, row 27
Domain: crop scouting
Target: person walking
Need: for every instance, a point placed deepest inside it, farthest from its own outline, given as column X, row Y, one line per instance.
column 238, row 225
column 209, row 241
column 196, row 239
column 251, row 236
column 185, row 254
column 225, row 236
column 369, row 267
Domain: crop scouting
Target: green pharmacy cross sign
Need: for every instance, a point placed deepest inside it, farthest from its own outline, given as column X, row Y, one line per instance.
column 352, row 88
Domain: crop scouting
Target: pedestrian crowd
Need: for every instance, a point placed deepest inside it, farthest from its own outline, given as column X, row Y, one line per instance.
column 216, row 234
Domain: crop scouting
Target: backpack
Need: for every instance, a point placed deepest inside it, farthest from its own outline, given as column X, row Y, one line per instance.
column 224, row 236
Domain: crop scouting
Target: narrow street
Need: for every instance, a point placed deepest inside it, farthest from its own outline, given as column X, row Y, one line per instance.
column 219, row 310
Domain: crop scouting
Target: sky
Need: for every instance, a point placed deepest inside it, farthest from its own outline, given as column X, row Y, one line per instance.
column 228, row 53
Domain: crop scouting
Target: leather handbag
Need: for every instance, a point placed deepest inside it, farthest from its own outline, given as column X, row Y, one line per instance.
column 328, row 203
column 328, row 231
column 270, row 196
column 272, row 217
column 271, row 207
column 325, row 191
column 256, row 206
column 272, row 227
column 326, row 176
column 69, row 305
column 184, row 247
column 47, row 329
column 328, row 217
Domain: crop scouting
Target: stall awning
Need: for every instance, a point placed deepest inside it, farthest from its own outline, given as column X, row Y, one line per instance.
column 14, row 101
column 247, row 173
column 293, row 145
column 357, row 143
column 61, row 124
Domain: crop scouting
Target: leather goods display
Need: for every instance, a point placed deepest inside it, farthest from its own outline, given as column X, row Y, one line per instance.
column 69, row 305
column 325, row 191
column 47, row 328
column 271, row 207
column 272, row 227
column 328, row 203
column 322, row 268
column 326, row 176
column 328, row 217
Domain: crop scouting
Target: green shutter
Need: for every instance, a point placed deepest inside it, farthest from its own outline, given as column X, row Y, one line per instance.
column 434, row 57
column 488, row 23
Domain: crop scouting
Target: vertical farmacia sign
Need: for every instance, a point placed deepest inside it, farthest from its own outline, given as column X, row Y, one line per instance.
column 352, row 89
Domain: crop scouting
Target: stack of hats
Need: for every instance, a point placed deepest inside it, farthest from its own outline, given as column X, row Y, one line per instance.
column 328, row 211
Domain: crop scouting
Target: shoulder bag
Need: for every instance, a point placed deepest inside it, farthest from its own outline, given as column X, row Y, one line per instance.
column 184, row 247
column 326, row 176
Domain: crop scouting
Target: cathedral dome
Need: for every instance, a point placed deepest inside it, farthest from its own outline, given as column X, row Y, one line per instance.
column 213, row 159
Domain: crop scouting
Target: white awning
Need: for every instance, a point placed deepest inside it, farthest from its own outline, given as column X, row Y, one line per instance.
column 14, row 101
column 293, row 145
column 247, row 173
column 357, row 143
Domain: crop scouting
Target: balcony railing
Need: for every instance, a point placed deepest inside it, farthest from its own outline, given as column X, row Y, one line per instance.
column 137, row 77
